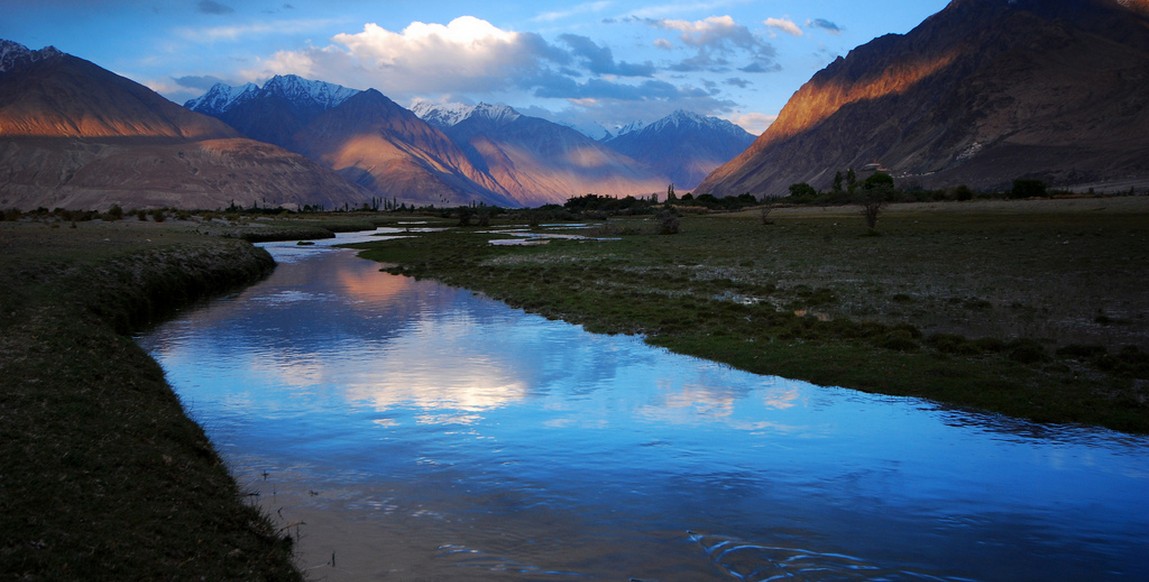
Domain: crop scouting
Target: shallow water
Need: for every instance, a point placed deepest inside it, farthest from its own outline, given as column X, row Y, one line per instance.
column 410, row 431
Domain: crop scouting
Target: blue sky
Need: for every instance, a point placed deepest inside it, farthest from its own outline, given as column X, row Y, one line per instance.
column 608, row 62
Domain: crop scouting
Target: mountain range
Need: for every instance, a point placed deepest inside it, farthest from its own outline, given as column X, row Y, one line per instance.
column 536, row 161
column 74, row 135
column 981, row 93
column 438, row 154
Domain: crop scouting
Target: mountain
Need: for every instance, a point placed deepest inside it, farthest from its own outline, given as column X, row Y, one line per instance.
column 74, row 135
column 379, row 145
column 275, row 112
column 683, row 146
column 981, row 93
column 365, row 137
column 534, row 161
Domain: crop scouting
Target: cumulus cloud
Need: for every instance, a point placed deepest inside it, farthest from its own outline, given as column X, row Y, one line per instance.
column 213, row 7
column 466, row 54
column 785, row 25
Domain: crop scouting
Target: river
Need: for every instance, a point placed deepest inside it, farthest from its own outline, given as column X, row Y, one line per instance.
column 405, row 430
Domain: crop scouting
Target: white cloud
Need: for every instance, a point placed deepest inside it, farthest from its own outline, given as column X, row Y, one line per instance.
column 710, row 31
column 466, row 54
column 784, row 24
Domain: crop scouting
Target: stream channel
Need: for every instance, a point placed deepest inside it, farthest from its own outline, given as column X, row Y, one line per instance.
column 406, row 430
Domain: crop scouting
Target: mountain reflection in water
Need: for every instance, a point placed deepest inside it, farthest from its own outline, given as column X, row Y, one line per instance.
column 406, row 430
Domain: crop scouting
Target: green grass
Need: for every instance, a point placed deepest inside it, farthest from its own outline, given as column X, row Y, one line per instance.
column 972, row 305
column 102, row 475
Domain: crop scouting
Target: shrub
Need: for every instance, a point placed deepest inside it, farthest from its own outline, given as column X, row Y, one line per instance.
column 901, row 340
column 668, row 222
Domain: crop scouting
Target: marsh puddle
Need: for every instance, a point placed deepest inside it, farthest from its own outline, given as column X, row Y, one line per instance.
column 406, row 430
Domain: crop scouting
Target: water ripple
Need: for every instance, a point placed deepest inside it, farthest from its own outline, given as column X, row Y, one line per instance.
column 761, row 563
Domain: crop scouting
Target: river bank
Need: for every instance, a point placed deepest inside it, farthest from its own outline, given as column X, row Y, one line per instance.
column 1034, row 309
column 102, row 474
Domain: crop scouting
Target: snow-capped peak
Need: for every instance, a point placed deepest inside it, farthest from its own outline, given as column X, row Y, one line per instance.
column 497, row 113
column 14, row 54
column 449, row 114
column 319, row 94
column 680, row 119
column 299, row 90
column 221, row 98
column 441, row 114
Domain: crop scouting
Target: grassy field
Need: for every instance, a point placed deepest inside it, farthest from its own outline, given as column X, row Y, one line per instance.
column 1036, row 309
column 102, row 475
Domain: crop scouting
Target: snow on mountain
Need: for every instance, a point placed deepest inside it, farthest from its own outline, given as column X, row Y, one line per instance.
column 684, row 120
column 14, row 54
column 441, row 115
column 297, row 89
column 444, row 115
column 316, row 95
column 221, row 98
column 499, row 114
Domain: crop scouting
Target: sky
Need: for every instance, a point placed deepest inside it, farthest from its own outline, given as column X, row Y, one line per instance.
column 592, row 64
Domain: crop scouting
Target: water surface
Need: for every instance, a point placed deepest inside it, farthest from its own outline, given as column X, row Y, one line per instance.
column 411, row 431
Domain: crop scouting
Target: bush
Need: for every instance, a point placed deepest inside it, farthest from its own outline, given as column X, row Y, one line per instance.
column 901, row 340
column 668, row 222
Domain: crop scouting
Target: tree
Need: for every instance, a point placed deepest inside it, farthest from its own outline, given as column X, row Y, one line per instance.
column 837, row 186
column 670, row 197
column 802, row 190
column 878, row 180
column 851, row 181
column 872, row 201
column 877, row 190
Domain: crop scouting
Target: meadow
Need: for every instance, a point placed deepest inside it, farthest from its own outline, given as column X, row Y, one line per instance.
column 1031, row 308
column 103, row 476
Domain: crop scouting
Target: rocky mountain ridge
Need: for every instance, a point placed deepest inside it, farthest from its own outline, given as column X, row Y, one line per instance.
column 74, row 135
column 981, row 93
